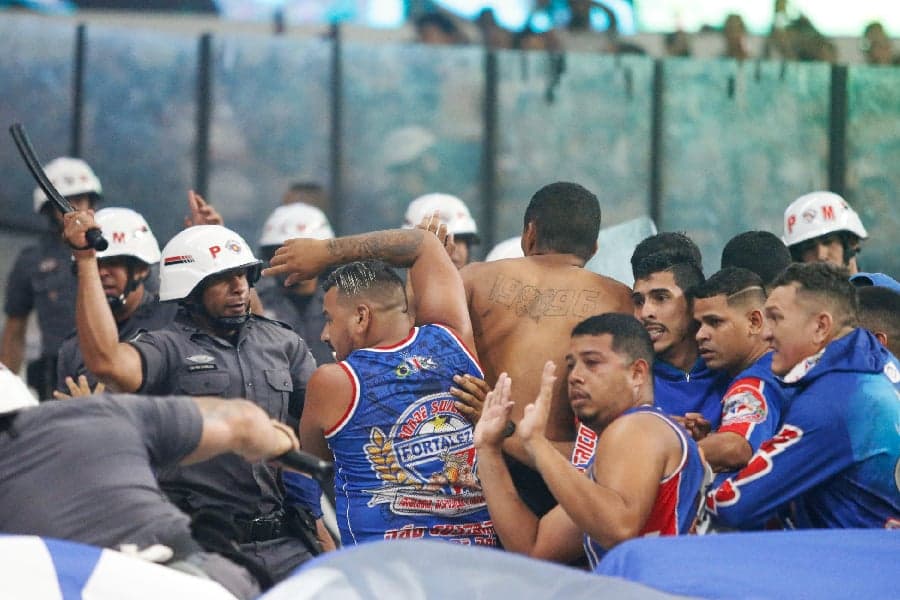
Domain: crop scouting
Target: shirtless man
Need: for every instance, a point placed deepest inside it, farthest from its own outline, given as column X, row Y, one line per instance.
column 523, row 311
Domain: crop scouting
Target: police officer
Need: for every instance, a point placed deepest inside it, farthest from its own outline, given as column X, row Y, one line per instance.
column 42, row 280
column 822, row 227
column 453, row 213
column 299, row 305
column 213, row 347
column 124, row 268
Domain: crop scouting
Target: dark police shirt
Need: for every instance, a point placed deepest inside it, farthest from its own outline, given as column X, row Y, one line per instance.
column 269, row 365
column 42, row 279
column 302, row 313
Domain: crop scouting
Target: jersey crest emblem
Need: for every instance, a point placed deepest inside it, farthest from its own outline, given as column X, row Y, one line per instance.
column 745, row 402
column 426, row 462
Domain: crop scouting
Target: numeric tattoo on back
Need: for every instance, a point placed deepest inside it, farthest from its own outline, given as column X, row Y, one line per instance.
column 534, row 302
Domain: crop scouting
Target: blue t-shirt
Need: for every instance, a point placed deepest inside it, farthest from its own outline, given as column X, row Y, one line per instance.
column 404, row 456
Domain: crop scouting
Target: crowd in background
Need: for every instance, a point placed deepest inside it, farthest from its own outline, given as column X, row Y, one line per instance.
column 795, row 39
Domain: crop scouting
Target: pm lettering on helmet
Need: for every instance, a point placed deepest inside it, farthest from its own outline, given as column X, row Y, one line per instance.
column 792, row 220
column 214, row 250
column 828, row 212
column 118, row 237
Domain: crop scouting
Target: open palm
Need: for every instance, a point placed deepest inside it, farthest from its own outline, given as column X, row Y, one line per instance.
column 491, row 427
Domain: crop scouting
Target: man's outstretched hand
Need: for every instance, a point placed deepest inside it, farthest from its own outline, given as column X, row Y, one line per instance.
column 491, row 429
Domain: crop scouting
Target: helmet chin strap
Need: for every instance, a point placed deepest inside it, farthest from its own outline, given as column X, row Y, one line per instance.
column 849, row 250
column 117, row 303
column 219, row 323
column 194, row 305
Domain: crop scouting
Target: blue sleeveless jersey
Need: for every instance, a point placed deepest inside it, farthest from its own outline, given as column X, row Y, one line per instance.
column 404, row 456
column 679, row 496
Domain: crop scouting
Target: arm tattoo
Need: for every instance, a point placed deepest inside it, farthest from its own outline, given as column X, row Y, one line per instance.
column 398, row 247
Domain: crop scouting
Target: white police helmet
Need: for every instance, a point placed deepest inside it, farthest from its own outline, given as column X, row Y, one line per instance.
column 817, row 214
column 70, row 177
column 511, row 248
column 198, row 252
column 451, row 210
column 297, row 220
column 128, row 235
column 14, row 394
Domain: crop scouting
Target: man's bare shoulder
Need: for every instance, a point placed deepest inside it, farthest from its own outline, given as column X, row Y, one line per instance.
column 644, row 428
column 329, row 378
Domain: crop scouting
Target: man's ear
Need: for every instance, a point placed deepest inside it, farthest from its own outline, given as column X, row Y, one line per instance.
column 823, row 328
column 881, row 337
column 529, row 239
column 756, row 321
column 141, row 271
column 362, row 317
column 640, row 372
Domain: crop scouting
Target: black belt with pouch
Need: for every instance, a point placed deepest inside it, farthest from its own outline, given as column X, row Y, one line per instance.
column 260, row 528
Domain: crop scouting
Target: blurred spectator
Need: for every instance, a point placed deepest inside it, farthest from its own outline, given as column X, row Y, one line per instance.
column 306, row 192
column 735, row 34
column 778, row 44
column 678, row 43
column 876, row 45
column 807, row 43
column 529, row 39
column 438, row 29
column 492, row 35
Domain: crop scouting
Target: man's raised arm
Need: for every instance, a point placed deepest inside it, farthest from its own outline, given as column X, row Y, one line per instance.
column 116, row 364
column 436, row 282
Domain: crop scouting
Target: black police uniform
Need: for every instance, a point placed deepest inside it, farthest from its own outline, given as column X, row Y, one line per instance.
column 269, row 365
column 42, row 279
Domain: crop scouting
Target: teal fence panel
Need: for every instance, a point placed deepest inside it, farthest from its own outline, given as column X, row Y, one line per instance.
column 740, row 141
column 139, row 122
column 270, row 124
column 412, row 125
column 581, row 118
column 873, row 163
column 36, row 90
